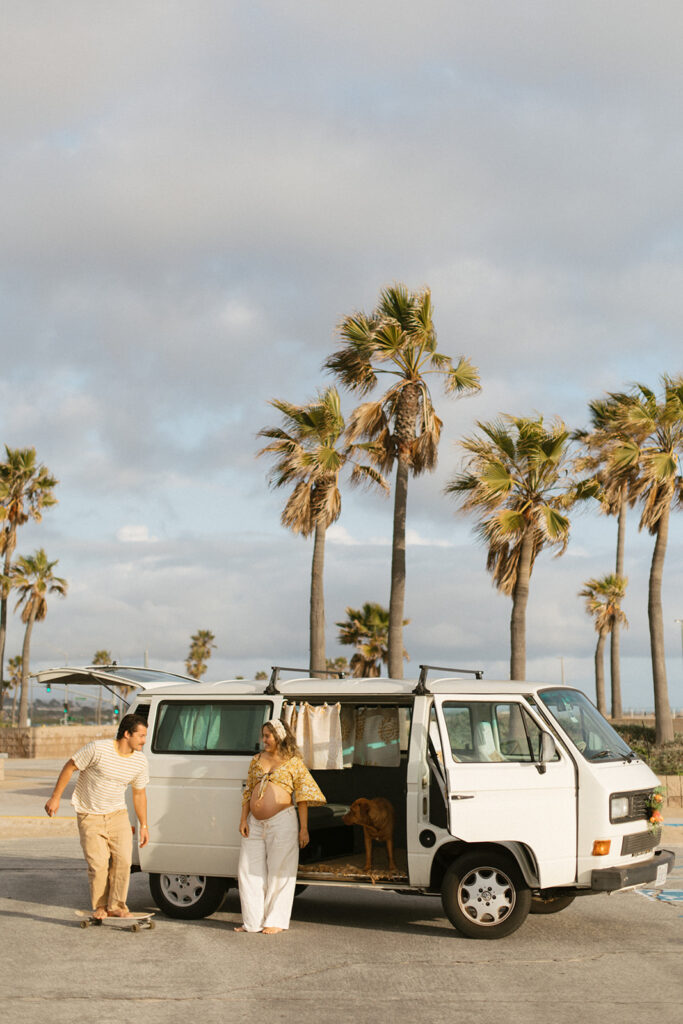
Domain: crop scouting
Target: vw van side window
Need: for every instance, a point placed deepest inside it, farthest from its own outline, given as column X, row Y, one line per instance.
column 491, row 731
column 200, row 727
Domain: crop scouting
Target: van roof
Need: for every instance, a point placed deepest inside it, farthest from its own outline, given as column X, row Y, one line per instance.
column 167, row 683
column 346, row 688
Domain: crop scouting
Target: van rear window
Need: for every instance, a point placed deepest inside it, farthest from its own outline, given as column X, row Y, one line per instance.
column 202, row 727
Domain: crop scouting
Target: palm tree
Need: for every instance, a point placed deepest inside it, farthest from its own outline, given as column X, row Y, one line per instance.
column 516, row 484
column 25, row 490
column 14, row 665
column 603, row 602
column 100, row 658
column 309, row 455
column 398, row 339
column 648, row 453
column 367, row 629
column 201, row 645
column 33, row 578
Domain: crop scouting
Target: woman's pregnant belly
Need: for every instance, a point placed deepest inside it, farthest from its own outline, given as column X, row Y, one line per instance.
column 274, row 799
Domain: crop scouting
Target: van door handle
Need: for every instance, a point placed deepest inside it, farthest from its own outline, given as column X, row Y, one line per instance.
column 463, row 796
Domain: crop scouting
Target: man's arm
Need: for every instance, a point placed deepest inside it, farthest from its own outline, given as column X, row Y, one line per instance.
column 52, row 805
column 140, row 805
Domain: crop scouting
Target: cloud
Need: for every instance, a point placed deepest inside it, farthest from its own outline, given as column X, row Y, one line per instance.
column 194, row 199
column 134, row 535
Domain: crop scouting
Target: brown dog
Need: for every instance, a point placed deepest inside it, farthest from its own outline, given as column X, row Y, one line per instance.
column 376, row 817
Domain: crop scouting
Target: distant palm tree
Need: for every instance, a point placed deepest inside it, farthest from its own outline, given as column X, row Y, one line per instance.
column 308, row 454
column 25, row 490
column 517, row 486
column 650, row 435
column 337, row 665
column 367, row 629
column 398, row 339
column 201, row 645
column 603, row 602
column 100, row 658
column 33, row 578
column 14, row 665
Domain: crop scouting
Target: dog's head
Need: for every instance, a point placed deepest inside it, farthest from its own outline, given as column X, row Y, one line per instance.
column 358, row 813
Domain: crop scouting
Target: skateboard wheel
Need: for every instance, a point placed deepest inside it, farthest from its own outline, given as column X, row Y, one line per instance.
column 135, row 928
column 85, row 924
column 152, row 925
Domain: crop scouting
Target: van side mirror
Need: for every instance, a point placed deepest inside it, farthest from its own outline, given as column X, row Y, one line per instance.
column 548, row 748
column 548, row 751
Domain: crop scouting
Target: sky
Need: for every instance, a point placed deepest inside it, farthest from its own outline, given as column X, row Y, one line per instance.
column 194, row 195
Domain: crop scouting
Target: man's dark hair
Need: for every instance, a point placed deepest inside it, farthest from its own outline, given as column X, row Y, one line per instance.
column 130, row 723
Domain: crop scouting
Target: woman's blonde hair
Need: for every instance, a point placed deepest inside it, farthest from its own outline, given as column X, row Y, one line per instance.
column 286, row 745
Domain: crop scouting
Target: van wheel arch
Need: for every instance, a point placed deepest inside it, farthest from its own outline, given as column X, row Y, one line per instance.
column 446, row 854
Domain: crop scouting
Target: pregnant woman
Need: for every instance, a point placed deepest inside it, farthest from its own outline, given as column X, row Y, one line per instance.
column 271, row 831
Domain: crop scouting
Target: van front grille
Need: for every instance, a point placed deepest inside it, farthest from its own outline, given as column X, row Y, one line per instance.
column 640, row 842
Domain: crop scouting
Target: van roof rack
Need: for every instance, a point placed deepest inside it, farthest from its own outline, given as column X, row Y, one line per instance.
column 421, row 688
column 275, row 671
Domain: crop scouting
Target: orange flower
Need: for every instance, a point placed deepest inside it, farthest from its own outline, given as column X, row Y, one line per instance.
column 657, row 798
column 656, row 818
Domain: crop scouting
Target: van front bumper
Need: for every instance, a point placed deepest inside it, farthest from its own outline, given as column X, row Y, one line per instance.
column 612, row 879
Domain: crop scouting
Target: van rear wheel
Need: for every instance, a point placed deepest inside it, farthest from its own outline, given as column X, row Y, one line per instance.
column 485, row 896
column 187, row 896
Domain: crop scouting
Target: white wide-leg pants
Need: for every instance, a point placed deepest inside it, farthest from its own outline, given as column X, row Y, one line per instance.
column 268, row 863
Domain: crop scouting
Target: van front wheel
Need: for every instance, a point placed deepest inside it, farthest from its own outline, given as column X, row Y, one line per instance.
column 484, row 895
column 187, row 896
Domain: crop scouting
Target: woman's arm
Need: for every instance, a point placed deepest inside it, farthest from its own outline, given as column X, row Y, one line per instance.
column 302, row 808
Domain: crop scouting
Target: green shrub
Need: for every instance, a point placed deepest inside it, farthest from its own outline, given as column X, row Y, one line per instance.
column 665, row 759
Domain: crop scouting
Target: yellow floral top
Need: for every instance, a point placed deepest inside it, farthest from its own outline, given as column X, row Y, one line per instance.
column 293, row 776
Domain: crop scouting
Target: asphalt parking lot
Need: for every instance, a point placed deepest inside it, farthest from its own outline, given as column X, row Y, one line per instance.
column 350, row 955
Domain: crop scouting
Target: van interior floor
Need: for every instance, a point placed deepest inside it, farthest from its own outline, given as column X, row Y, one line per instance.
column 351, row 868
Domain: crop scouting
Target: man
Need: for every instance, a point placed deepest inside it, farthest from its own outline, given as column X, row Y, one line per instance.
column 106, row 768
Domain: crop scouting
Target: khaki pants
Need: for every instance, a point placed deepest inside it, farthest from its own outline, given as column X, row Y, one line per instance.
column 107, row 842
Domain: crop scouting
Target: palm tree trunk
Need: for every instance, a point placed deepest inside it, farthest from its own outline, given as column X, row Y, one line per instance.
column 398, row 572
column 664, row 731
column 4, row 596
column 615, row 641
column 600, row 674
column 14, row 703
column 317, row 616
column 25, row 655
column 520, row 598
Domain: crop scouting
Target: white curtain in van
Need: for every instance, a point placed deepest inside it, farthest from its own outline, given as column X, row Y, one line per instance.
column 319, row 736
column 377, row 737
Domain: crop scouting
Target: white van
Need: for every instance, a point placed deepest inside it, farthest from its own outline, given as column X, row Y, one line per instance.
column 509, row 797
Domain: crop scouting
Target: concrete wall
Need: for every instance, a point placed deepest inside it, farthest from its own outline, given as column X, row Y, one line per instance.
column 51, row 740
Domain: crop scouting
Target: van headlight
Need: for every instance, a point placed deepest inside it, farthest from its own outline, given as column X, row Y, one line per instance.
column 618, row 808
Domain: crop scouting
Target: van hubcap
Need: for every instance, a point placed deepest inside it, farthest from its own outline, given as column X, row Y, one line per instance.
column 183, row 890
column 486, row 896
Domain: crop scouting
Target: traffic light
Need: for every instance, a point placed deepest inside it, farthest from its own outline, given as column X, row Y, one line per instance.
column 65, row 709
column 49, row 688
column 116, row 712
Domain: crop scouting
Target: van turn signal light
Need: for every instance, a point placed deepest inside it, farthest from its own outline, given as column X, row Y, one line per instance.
column 601, row 847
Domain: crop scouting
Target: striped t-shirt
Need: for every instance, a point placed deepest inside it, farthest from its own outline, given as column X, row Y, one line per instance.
column 104, row 775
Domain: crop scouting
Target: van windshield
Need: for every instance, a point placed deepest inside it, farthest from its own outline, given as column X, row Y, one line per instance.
column 585, row 726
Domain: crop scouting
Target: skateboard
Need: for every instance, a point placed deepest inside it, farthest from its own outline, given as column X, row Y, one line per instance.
column 134, row 923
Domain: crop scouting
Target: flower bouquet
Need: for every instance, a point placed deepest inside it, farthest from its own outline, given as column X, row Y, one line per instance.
column 654, row 803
